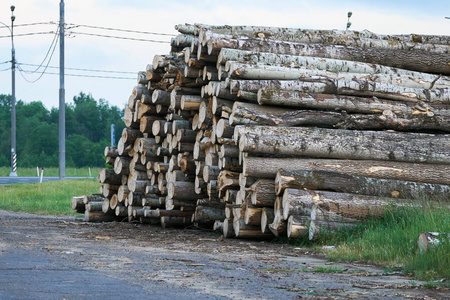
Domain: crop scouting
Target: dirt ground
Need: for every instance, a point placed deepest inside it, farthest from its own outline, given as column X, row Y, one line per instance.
column 45, row 257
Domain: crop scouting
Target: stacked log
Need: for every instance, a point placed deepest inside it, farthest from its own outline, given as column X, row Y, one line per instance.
column 262, row 132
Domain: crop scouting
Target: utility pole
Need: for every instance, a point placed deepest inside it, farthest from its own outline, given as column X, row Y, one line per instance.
column 62, row 101
column 13, row 99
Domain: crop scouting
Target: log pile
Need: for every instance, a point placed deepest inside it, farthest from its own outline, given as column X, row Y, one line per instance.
column 262, row 132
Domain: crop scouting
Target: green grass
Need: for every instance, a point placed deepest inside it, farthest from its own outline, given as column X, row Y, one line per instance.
column 328, row 270
column 392, row 241
column 49, row 198
column 82, row 172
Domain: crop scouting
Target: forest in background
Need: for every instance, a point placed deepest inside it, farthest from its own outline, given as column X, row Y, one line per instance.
column 88, row 132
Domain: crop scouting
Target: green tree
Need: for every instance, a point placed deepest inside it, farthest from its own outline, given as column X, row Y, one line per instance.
column 87, row 132
column 5, row 130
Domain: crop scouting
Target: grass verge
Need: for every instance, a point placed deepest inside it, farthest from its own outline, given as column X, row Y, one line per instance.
column 70, row 172
column 392, row 241
column 47, row 198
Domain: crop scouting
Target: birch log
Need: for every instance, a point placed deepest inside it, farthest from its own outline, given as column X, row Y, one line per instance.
column 264, row 167
column 354, row 87
column 320, row 63
column 240, row 70
column 346, row 148
column 351, row 104
column 347, row 37
column 345, row 183
column 421, row 61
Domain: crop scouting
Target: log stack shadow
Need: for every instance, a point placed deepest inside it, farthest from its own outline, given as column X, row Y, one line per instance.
column 261, row 132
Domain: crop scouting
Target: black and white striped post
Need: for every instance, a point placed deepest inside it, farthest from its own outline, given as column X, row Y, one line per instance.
column 13, row 163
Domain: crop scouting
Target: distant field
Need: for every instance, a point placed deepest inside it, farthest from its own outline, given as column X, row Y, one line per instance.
column 47, row 198
column 83, row 172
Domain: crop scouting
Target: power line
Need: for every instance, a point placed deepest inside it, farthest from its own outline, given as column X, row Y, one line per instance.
column 90, row 76
column 55, row 38
column 31, row 24
column 21, row 71
column 27, row 34
column 117, row 29
column 119, row 37
column 81, row 69
column 5, row 69
column 93, row 76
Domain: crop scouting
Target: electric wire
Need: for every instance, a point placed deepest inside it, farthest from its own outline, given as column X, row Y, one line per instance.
column 93, row 76
column 81, row 69
column 55, row 38
column 28, row 34
column 45, row 69
column 31, row 24
column 119, row 37
column 118, row 29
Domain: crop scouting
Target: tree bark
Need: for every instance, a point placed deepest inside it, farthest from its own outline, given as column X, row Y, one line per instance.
column 264, row 167
column 428, row 240
column 108, row 189
column 205, row 214
column 319, row 63
column 183, row 191
column 263, row 193
column 95, row 206
column 296, row 202
column 421, row 61
column 167, row 213
column 350, row 104
column 97, row 217
column 363, row 38
column 252, row 215
column 297, row 226
column 122, row 165
column 354, row 87
column 412, row 139
column 92, row 198
column 138, row 186
column 350, row 147
column 109, row 176
column 345, row 183
column 240, row 70
column 111, row 152
column 255, row 116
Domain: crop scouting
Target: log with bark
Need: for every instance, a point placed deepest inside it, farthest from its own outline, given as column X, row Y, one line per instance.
column 429, row 240
column 421, row 61
column 346, row 183
column 267, row 167
column 267, row 72
column 320, row 63
column 354, row 144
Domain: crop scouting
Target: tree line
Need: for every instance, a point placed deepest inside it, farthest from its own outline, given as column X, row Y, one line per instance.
column 88, row 132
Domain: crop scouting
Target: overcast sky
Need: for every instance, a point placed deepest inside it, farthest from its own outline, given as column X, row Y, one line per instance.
column 108, row 54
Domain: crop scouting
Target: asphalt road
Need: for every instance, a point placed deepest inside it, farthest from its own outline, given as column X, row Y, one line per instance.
column 31, row 179
column 46, row 257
